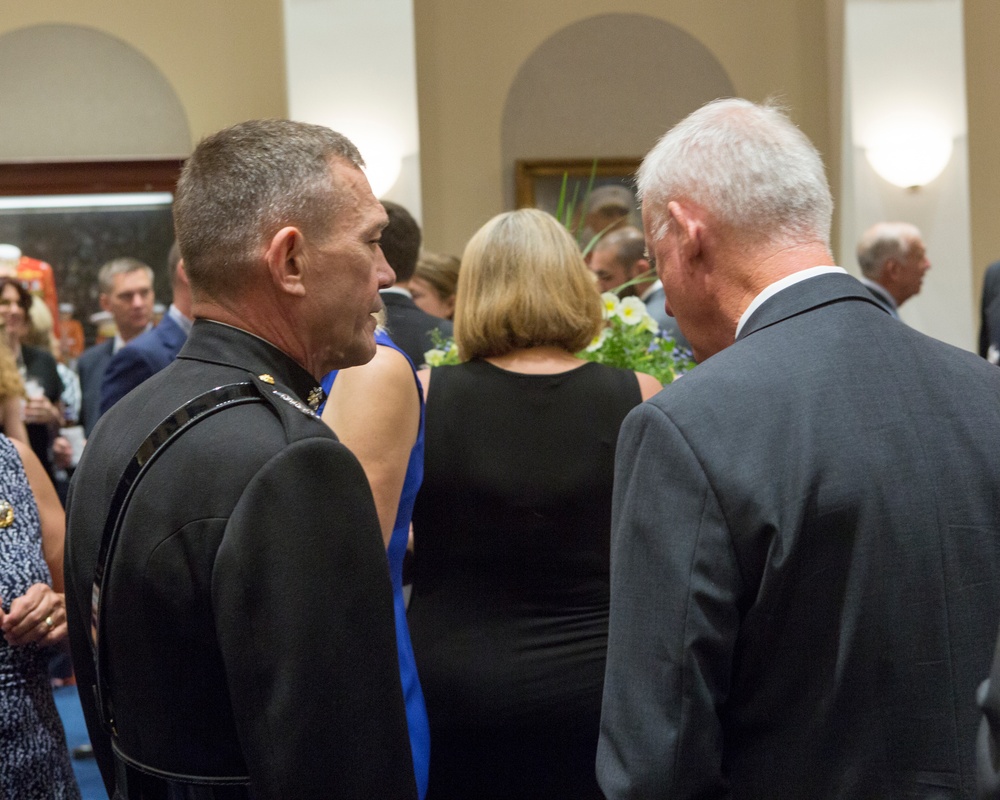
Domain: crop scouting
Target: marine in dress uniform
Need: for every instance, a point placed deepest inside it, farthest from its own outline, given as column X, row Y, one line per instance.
column 247, row 642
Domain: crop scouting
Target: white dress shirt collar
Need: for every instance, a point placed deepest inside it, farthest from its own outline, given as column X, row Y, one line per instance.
column 777, row 286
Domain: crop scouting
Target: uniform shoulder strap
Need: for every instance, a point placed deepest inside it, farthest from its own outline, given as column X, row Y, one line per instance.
column 167, row 432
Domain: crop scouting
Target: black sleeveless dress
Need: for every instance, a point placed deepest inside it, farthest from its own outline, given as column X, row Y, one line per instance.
column 509, row 613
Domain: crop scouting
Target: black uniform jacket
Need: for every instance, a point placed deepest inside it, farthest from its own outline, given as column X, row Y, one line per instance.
column 249, row 617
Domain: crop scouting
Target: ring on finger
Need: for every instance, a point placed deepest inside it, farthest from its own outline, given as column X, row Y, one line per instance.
column 49, row 623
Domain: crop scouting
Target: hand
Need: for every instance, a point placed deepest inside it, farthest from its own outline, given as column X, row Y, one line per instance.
column 40, row 410
column 62, row 453
column 30, row 614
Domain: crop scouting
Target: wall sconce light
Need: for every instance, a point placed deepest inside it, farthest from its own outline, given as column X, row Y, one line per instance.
column 910, row 157
column 380, row 147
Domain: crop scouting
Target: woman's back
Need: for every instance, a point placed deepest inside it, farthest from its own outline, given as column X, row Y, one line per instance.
column 510, row 603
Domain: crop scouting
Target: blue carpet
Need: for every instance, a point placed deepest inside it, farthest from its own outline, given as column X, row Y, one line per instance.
column 87, row 774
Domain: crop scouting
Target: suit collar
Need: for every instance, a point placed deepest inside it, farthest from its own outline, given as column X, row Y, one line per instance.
column 807, row 295
column 881, row 294
column 170, row 332
column 396, row 298
column 216, row 343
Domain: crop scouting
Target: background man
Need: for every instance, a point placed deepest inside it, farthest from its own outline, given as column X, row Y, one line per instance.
column 608, row 208
column 798, row 523
column 893, row 263
column 408, row 326
column 153, row 350
column 620, row 257
column 246, row 619
column 126, row 286
column 989, row 322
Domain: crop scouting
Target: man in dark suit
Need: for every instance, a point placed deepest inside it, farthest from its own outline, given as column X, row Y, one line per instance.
column 893, row 261
column 989, row 322
column 245, row 639
column 126, row 292
column 408, row 326
column 805, row 558
column 153, row 350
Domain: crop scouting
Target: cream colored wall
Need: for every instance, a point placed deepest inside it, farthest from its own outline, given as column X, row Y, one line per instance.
column 982, row 21
column 223, row 58
column 468, row 54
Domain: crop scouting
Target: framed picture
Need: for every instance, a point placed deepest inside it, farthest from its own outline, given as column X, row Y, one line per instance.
column 538, row 182
column 75, row 216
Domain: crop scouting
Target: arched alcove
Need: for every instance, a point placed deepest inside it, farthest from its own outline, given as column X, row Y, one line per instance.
column 71, row 92
column 606, row 86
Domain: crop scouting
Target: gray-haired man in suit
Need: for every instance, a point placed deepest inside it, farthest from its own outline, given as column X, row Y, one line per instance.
column 805, row 562
column 893, row 261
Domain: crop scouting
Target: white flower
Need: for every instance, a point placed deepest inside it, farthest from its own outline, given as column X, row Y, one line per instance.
column 597, row 341
column 435, row 357
column 651, row 325
column 632, row 311
column 611, row 303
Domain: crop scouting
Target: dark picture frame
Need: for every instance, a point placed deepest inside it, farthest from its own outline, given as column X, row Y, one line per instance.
column 537, row 182
column 78, row 241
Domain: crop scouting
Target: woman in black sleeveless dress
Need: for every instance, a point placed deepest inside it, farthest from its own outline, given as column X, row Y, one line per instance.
column 509, row 615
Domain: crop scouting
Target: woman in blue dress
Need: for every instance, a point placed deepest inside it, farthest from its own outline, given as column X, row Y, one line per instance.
column 377, row 411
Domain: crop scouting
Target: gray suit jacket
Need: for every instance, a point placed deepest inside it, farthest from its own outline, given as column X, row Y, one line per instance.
column 805, row 581
column 656, row 307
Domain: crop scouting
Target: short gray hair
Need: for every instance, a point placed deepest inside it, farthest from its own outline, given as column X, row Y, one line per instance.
column 119, row 266
column 883, row 241
column 748, row 165
column 243, row 184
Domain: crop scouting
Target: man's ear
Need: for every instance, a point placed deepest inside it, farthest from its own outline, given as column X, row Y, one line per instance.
column 690, row 229
column 105, row 302
column 890, row 269
column 285, row 259
column 182, row 274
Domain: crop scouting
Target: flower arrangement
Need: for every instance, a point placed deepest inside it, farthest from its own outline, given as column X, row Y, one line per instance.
column 632, row 339
column 445, row 351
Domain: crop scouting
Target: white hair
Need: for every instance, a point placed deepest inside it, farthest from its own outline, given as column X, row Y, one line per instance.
column 748, row 165
column 882, row 241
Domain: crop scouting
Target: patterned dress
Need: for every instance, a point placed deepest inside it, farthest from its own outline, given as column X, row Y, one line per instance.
column 34, row 762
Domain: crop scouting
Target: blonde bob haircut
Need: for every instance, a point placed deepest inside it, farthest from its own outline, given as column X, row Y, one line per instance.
column 523, row 283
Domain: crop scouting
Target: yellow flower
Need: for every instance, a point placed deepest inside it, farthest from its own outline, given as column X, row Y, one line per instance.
column 632, row 311
column 611, row 303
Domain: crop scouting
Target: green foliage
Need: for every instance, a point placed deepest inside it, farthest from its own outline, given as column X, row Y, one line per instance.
column 445, row 350
column 632, row 340
column 567, row 210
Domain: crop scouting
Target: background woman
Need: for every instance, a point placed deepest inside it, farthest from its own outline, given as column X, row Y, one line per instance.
column 43, row 386
column 34, row 764
column 434, row 284
column 377, row 411
column 509, row 612
column 11, row 395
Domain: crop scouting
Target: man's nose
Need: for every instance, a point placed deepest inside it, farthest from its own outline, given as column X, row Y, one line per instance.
column 385, row 273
